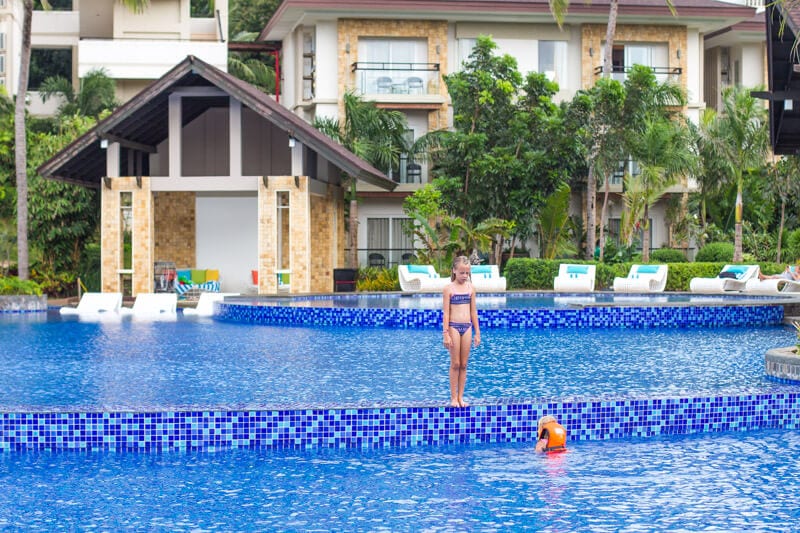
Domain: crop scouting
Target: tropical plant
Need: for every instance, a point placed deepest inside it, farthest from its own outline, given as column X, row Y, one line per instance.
column 554, row 225
column 738, row 139
column 375, row 135
column 662, row 150
column 97, row 94
column 784, row 183
column 251, row 67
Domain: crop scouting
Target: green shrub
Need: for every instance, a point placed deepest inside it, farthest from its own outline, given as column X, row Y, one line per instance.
column 668, row 255
column 378, row 279
column 791, row 247
column 715, row 252
column 12, row 285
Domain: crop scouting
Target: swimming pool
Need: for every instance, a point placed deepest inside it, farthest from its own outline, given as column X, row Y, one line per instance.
column 721, row 482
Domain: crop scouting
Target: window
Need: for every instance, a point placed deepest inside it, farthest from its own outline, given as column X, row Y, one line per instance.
column 284, row 237
column 465, row 48
column 2, row 63
column 309, row 67
column 553, row 60
column 387, row 237
column 615, row 229
column 2, row 41
column 126, row 241
column 393, row 50
column 46, row 62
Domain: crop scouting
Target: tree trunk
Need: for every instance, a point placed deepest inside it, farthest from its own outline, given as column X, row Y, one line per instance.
column 603, row 215
column 737, row 240
column 20, row 144
column 591, row 212
column 780, row 230
column 352, row 259
column 611, row 30
column 646, row 235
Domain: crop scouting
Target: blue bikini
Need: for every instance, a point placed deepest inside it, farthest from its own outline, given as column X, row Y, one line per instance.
column 458, row 299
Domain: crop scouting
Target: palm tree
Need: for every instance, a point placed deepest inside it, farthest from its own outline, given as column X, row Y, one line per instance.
column 784, row 184
column 559, row 9
column 738, row 137
column 20, row 145
column 375, row 135
column 97, row 94
column 251, row 69
column 663, row 152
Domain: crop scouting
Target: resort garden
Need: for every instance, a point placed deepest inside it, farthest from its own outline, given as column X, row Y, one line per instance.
column 503, row 180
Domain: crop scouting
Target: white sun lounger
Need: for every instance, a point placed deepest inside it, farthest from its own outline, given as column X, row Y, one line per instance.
column 643, row 278
column 95, row 303
column 739, row 276
column 487, row 278
column 421, row 278
column 574, row 278
column 205, row 305
column 773, row 287
column 154, row 305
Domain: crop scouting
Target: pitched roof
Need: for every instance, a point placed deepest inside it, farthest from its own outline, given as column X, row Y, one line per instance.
column 142, row 122
column 783, row 61
column 706, row 15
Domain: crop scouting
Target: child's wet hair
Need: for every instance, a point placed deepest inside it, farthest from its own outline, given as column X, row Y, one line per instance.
column 460, row 260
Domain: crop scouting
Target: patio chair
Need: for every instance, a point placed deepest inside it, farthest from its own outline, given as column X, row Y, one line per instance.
column 95, row 303
column 487, row 278
column 384, row 84
column 775, row 287
column 416, row 278
column 377, row 260
column 205, row 305
column 574, row 278
column 643, row 278
column 415, row 85
column 730, row 278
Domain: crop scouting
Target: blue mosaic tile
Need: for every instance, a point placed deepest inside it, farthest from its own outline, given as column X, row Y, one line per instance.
column 399, row 426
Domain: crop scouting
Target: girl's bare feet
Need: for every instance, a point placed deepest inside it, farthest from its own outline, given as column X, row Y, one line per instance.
column 462, row 403
column 454, row 403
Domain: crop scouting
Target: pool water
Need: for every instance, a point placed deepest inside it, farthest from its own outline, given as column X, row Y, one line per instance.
column 55, row 363
column 519, row 300
column 721, row 482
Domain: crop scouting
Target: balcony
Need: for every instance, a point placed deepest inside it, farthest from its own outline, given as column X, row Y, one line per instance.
column 402, row 82
column 662, row 73
column 145, row 59
column 55, row 28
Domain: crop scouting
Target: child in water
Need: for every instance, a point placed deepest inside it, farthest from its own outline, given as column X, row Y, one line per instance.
column 551, row 436
column 460, row 320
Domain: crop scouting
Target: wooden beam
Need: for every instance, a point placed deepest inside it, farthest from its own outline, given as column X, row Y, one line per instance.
column 129, row 144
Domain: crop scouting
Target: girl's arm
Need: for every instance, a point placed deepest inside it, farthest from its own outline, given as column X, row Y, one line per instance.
column 473, row 310
column 446, row 315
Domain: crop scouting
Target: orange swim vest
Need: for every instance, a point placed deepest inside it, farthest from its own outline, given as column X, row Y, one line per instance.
column 556, row 437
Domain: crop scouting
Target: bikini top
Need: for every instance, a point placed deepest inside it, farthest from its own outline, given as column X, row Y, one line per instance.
column 463, row 298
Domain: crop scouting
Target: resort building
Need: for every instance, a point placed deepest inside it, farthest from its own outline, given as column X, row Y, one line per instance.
column 396, row 54
column 134, row 49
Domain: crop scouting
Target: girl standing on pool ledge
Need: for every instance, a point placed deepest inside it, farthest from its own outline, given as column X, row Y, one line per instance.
column 460, row 317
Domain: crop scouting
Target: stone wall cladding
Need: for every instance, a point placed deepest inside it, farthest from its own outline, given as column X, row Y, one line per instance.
column 174, row 216
column 21, row 303
column 593, row 36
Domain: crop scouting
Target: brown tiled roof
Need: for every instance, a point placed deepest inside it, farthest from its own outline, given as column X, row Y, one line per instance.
column 143, row 121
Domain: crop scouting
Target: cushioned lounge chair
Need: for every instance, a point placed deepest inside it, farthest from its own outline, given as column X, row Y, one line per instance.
column 772, row 286
column 95, row 303
column 420, row 278
column 487, row 278
column 643, row 278
column 205, row 305
column 730, row 278
column 161, row 305
column 574, row 278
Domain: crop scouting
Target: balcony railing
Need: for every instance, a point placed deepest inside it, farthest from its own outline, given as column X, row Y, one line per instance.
column 385, row 257
column 662, row 73
column 396, row 78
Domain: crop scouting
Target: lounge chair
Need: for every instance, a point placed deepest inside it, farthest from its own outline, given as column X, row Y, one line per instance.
column 487, row 278
column 416, row 278
column 730, row 278
column 205, row 305
column 95, row 303
column 574, row 278
column 772, row 286
column 643, row 278
column 154, row 305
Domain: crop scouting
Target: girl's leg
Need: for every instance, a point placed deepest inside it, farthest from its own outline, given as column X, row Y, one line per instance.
column 455, row 356
column 465, row 342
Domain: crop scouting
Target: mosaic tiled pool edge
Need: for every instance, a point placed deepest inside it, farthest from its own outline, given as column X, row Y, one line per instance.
column 591, row 317
column 371, row 427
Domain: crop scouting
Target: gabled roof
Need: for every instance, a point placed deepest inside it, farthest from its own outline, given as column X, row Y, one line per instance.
column 783, row 61
column 705, row 15
column 142, row 122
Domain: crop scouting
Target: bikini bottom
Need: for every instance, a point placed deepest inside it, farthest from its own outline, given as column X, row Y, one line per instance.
column 461, row 327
